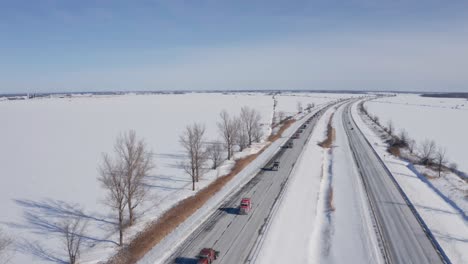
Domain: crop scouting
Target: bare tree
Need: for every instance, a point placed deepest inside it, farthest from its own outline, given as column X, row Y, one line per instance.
column 112, row 178
column 363, row 108
column 403, row 136
column 376, row 120
column 136, row 159
column 310, row 106
column 390, row 128
column 215, row 152
column 411, row 145
column 228, row 130
column 299, row 107
column 427, row 150
column 192, row 140
column 242, row 138
column 257, row 133
column 5, row 243
column 250, row 121
column 440, row 158
column 281, row 116
column 73, row 232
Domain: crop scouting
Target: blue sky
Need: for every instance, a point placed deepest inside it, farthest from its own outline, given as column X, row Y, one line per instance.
column 51, row 46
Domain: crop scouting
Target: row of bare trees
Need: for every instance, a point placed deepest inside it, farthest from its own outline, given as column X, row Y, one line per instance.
column 240, row 132
column 300, row 108
column 428, row 153
column 281, row 115
column 122, row 175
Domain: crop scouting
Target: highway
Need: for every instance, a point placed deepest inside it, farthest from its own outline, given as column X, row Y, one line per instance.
column 234, row 235
column 402, row 237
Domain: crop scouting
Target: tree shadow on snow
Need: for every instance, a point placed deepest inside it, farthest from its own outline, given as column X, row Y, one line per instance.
column 60, row 209
column 423, row 207
column 45, row 218
column 36, row 250
column 171, row 156
column 438, row 192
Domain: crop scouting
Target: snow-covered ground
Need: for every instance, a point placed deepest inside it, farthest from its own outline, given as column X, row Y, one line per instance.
column 51, row 148
column 443, row 217
column 443, row 120
column 323, row 216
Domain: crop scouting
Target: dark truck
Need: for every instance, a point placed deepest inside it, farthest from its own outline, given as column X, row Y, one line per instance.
column 275, row 166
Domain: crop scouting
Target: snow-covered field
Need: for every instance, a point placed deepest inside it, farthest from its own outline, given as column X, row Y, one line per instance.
column 444, row 120
column 51, row 148
column 432, row 199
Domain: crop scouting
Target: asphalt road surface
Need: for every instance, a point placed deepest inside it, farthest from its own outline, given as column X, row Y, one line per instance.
column 402, row 236
column 234, row 235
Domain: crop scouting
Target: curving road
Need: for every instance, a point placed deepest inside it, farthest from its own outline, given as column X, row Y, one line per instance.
column 401, row 234
column 234, row 235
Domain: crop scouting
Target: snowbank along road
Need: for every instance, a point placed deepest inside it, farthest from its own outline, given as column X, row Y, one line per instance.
column 401, row 232
column 232, row 234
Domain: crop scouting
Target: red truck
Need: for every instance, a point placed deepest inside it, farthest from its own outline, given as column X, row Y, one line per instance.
column 245, row 206
column 207, row 256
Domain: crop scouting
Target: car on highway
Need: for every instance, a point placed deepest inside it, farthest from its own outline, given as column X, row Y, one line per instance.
column 245, row 206
column 207, row 256
column 275, row 166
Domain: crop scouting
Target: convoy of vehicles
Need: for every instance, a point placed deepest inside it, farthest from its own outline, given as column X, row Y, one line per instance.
column 208, row 255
